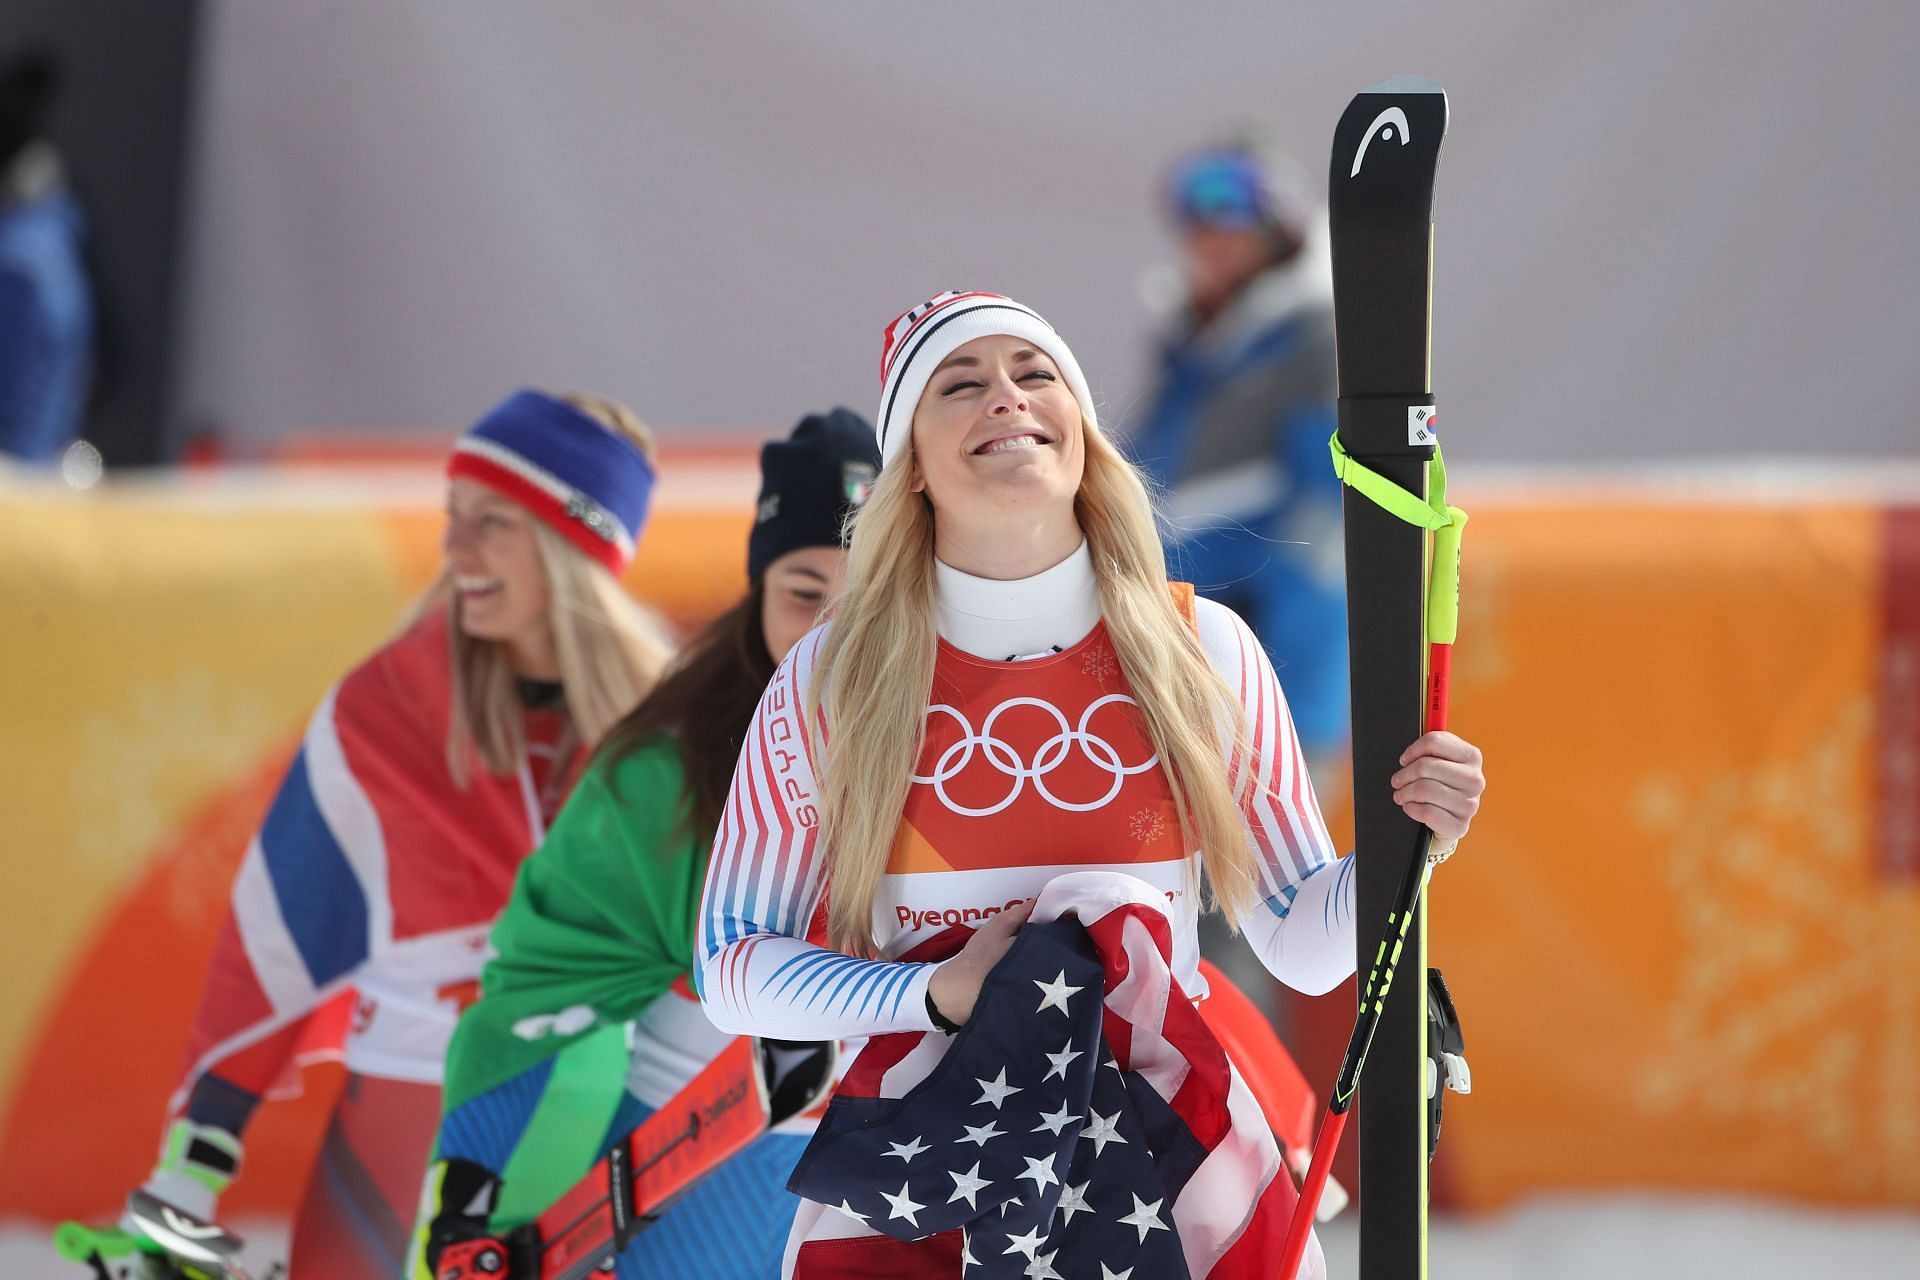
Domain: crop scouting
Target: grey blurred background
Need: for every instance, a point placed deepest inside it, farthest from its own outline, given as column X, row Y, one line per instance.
column 1665, row 232
column 1663, row 229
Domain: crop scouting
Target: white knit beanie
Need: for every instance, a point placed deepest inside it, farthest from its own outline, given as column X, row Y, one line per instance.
column 918, row 340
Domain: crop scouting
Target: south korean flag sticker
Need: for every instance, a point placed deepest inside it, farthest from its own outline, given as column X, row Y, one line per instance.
column 1423, row 424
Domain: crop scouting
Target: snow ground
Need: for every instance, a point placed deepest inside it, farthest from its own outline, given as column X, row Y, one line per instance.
column 1563, row 1238
column 1652, row 1237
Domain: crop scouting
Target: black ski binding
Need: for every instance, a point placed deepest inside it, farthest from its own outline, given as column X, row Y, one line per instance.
column 1446, row 1055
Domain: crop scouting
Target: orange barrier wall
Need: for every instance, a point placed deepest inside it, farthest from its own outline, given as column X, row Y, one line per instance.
column 1686, row 941
column 1684, row 937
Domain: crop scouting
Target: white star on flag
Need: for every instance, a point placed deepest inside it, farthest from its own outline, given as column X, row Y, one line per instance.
column 906, row 1150
column 1145, row 1217
column 1026, row 1244
column 978, row 1134
column 1060, row 1060
column 966, row 1252
column 850, row 1211
column 1054, row 1121
column 1054, row 993
column 968, row 1185
column 1110, row 1062
column 1101, row 1130
column 1105, row 1274
column 996, row 1090
column 1073, row 1200
column 904, row 1207
column 1041, row 1268
column 1041, row 1171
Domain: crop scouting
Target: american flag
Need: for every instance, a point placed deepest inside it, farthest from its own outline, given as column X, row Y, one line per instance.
column 1084, row 1122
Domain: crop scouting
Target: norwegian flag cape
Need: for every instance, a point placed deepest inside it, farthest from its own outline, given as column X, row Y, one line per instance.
column 373, row 878
column 1084, row 1117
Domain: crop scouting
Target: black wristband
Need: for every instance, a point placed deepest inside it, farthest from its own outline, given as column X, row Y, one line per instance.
column 940, row 1020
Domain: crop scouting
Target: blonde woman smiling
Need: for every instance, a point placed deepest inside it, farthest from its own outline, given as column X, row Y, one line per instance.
column 425, row 777
column 1009, row 690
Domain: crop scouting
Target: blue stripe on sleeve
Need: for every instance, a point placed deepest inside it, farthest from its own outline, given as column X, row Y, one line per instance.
column 823, row 986
column 860, row 976
column 1281, row 903
column 898, row 987
column 826, row 979
column 1342, row 873
column 877, row 992
column 806, row 970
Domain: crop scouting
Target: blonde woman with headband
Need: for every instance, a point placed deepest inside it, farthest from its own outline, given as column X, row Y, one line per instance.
column 425, row 777
column 587, row 1026
column 1010, row 691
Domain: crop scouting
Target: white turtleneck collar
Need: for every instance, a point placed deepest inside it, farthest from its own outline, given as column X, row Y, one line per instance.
column 1025, row 618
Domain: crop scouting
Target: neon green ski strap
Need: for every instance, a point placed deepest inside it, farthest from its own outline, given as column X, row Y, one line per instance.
column 1433, row 514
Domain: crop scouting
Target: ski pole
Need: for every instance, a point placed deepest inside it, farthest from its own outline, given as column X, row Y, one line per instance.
column 1372, row 999
column 1442, row 622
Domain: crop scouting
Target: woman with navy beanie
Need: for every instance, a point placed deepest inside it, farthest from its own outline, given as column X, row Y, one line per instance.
column 424, row 779
column 587, row 1023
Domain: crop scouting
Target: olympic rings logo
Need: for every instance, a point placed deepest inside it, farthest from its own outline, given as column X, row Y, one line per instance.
column 1001, row 755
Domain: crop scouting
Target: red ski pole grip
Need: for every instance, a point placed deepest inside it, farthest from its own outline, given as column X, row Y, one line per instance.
column 1439, row 684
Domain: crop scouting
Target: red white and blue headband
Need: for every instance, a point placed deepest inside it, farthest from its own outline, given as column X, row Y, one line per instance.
column 589, row 484
column 918, row 340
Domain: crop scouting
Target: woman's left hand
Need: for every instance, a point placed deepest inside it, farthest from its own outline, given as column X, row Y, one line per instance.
column 1439, row 783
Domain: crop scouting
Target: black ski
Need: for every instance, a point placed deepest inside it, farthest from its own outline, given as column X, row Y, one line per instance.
column 1386, row 150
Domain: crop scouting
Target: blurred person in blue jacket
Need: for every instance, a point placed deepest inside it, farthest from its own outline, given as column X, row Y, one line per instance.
column 46, row 307
column 1235, row 430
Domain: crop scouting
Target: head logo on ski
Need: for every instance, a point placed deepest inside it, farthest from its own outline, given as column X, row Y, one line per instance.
column 1382, row 126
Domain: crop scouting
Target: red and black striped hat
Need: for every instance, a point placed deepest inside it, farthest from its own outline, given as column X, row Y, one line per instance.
column 918, row 340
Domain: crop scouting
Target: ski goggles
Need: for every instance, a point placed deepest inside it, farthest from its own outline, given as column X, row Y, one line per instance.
column 1221, row 189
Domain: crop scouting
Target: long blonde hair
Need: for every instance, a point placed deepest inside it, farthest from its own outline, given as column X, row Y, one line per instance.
column 610, row 648
column 876, row 668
